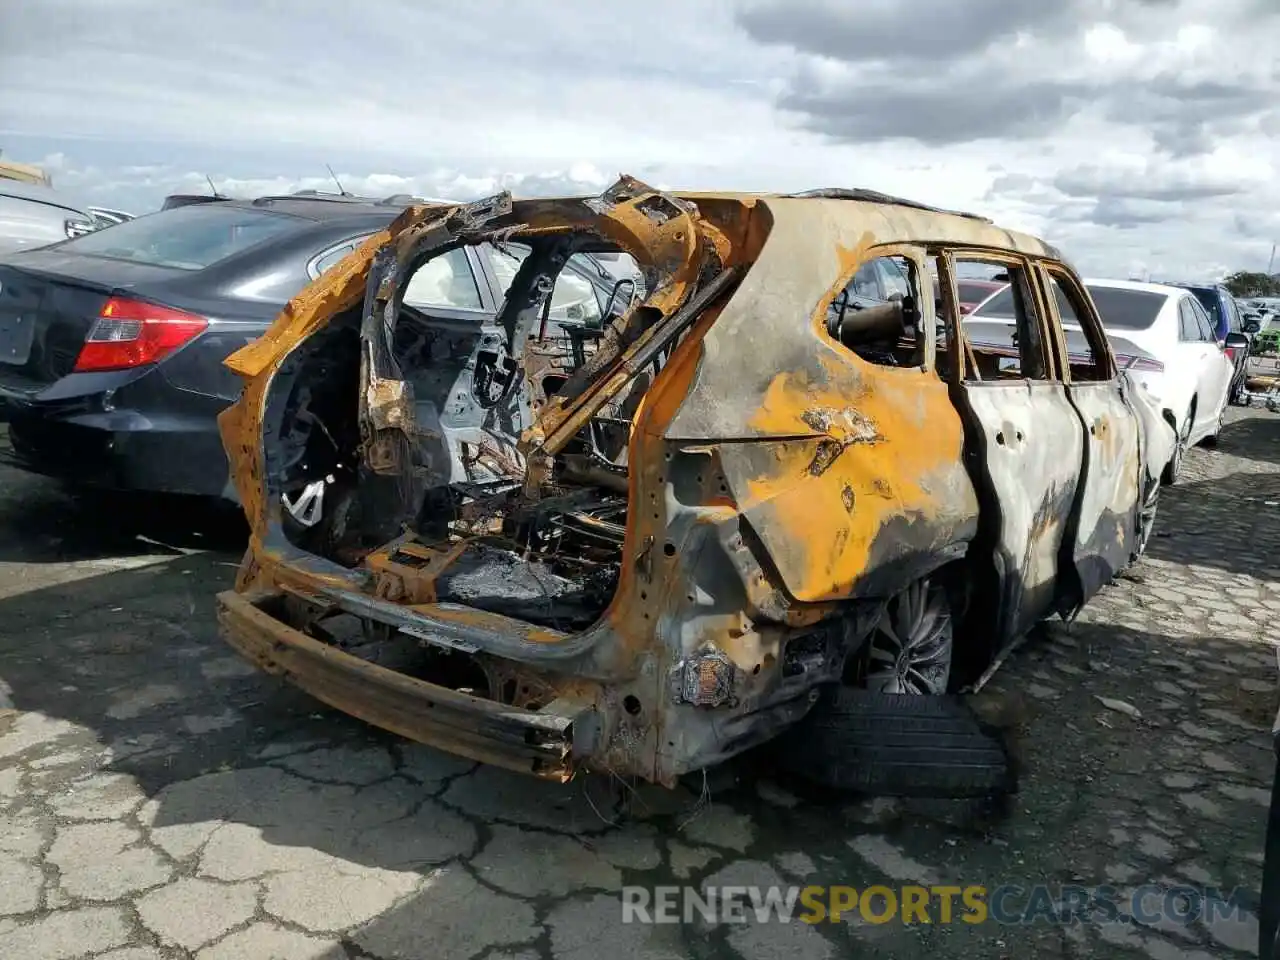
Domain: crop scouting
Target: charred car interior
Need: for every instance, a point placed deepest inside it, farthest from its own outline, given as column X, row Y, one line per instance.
column 646, row 542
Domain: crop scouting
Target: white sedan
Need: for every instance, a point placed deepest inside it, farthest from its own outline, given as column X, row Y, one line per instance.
column 1162, row 338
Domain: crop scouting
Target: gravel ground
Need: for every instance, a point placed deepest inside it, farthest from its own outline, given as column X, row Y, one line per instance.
column 159, row 799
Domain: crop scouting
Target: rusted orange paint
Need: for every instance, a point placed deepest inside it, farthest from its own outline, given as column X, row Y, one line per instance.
column 919, row 438
column 482, row 620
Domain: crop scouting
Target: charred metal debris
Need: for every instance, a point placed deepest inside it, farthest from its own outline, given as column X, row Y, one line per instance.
column 488, row 467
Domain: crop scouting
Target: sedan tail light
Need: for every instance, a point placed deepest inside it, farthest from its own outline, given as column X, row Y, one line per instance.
column 133, row 333
column 1140, row 364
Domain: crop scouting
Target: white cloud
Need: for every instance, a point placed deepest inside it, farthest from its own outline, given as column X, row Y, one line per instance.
column 1134, row 133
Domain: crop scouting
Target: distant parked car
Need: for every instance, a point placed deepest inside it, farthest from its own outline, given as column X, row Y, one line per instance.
column 111, row 344
column 1266, row 310
column 1231, row 330
column 34, row 215
column 1162, row 338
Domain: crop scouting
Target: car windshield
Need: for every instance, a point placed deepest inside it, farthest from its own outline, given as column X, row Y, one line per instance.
column 186, row 238
column 1127, row 309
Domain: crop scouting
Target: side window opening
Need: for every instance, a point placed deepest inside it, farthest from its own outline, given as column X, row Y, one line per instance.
column 1003, row 337
column 575, row 299
column 444, row 281
column 878, row 313
column 893, row 278
column 866, row 283
column 1087, row 350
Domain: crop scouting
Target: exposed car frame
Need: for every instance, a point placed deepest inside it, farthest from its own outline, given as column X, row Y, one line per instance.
column 780, row 491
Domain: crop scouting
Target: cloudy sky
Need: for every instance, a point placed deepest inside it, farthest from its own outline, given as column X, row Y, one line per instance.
column 1143, row 136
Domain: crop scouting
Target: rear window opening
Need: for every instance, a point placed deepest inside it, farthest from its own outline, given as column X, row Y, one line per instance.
column 461, row 529
column 185, row 238
column 877, row 314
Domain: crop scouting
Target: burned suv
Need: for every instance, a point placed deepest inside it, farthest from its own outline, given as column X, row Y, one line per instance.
column 646, row 547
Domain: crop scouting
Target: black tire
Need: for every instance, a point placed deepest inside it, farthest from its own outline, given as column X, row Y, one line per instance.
column 896, row 745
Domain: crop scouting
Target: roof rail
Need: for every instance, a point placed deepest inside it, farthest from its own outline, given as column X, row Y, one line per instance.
column 875, row 196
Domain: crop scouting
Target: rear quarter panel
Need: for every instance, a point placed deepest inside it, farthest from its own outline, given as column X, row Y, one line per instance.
column 849, row 474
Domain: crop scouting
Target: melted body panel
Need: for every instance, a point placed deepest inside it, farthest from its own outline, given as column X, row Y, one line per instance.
column 1107, row 516
column 1033, row 455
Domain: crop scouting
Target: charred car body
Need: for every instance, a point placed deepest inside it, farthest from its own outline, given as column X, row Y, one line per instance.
column 646, row 548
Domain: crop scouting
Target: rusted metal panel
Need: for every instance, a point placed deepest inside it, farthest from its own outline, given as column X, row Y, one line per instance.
column 1032, row 453
column 1107, row 514
column 860, row 464
column 526, row 741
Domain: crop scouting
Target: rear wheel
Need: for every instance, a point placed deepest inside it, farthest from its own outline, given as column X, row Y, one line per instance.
column 898, row 732
column 1236, row 396
column 1212, row 439
column 910, row 649
column 1147, row 519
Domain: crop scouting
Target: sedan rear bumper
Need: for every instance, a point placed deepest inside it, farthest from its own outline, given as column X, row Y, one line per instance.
column 527, row 741
column 177, row 457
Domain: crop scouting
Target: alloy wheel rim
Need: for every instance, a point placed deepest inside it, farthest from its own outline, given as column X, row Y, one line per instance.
column 1180, row 448
column 1147, row 518
column 910, row 649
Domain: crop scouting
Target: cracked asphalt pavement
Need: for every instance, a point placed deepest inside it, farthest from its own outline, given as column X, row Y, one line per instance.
column 160, row 799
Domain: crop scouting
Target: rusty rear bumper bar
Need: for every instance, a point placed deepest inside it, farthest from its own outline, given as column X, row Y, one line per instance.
column 533, row 742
